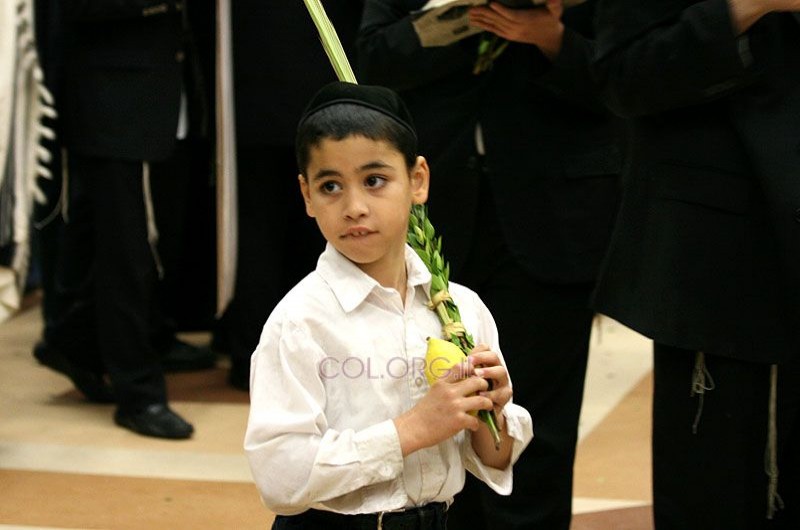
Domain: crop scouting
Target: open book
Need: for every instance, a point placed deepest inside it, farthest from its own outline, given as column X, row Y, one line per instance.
column 443, row 22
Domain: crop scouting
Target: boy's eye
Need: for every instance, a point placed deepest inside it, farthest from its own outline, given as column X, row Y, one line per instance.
column 375, row 181
column 330, row 186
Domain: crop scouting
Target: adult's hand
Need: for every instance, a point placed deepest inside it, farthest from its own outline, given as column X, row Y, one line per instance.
column 745, row 13
column 540, row 26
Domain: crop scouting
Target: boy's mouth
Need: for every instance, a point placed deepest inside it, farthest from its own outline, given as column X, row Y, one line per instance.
column 358, row 231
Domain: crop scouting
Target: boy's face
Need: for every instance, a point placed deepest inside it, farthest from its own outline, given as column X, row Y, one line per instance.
column 360, row 192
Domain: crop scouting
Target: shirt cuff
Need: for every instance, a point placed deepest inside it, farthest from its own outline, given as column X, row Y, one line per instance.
column 379, row 450
column 519, row 427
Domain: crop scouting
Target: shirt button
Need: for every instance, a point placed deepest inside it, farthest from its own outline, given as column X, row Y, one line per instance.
column 418, row 381
column 179, row 56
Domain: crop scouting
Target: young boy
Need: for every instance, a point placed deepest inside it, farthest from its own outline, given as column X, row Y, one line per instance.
column 344, row 430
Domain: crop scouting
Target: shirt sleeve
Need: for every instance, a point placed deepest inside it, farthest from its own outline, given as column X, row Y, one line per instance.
column 519, row 424
column 296, row 458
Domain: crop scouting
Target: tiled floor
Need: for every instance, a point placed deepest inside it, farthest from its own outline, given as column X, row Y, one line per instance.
column 63, row 464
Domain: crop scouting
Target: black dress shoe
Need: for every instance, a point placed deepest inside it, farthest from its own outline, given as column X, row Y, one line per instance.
column 156, row 420
column 90, row 384
column 180, row 356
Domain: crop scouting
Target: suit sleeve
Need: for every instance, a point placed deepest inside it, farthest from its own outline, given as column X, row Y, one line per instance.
column 571, row 75
column 98, row 10
column 390, row 53
column 688, row 58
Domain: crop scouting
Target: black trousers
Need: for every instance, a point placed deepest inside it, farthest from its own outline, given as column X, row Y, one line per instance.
column 714, row 478
column 544, row 335
column 108, row 280
column 278, row 244
column 429, row 517
column 183, row 203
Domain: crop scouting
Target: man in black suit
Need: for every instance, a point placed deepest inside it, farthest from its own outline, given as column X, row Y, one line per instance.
column 63, row 346
column 278, row 65
column 124, row 106
column 524, row 164
column 704, row 258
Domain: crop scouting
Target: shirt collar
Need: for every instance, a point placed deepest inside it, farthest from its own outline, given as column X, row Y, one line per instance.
column 351, row 285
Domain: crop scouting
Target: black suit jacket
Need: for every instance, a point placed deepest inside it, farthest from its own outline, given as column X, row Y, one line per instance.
column 552, row 155
column 279, row 63
column 705, row 255
column 122, row 78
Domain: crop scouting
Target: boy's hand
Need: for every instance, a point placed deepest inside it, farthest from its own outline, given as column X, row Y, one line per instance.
column 444, row 411
column 489, row 367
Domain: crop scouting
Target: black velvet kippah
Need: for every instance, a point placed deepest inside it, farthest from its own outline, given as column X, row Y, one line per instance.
column 378, row 98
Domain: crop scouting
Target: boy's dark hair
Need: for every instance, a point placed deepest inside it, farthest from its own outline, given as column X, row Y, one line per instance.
column 342, row 109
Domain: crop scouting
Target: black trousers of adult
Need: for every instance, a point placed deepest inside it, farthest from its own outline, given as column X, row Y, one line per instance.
column 47, row 236
column 108, row 280
column 544, row 335
column 181, row 193
column 278, row 244
column 714, row 478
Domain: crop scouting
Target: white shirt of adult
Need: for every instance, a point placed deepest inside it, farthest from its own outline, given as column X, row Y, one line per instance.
column 338, row 358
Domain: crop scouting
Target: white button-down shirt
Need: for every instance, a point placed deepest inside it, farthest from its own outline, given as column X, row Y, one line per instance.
column 338, row 359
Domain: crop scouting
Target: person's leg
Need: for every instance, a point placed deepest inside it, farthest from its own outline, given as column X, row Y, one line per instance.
column 126, row 277
column 185, row 247
column 711, row 477
column 284, row 522
column 48, row 232
column 544, row 332
column 169, row 181
column 70, row 339
column 467, row 508
column 126, row 274
column 71, row 326
column 544, row 335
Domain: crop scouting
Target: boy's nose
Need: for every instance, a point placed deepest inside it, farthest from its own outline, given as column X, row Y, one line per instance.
column 355, row 206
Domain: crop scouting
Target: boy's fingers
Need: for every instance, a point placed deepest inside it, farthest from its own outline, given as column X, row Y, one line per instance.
column 499, row 397
column 457, row 372
column 472, row 385
column 484, row 357
column 478, row 402
column 472, row 423
column 495, row 373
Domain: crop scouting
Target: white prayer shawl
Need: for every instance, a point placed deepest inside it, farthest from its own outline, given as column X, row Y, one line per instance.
column 24, row 102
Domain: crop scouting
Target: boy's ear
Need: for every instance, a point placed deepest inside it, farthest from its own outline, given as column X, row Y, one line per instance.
column 420, row 180
column 306, row 196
